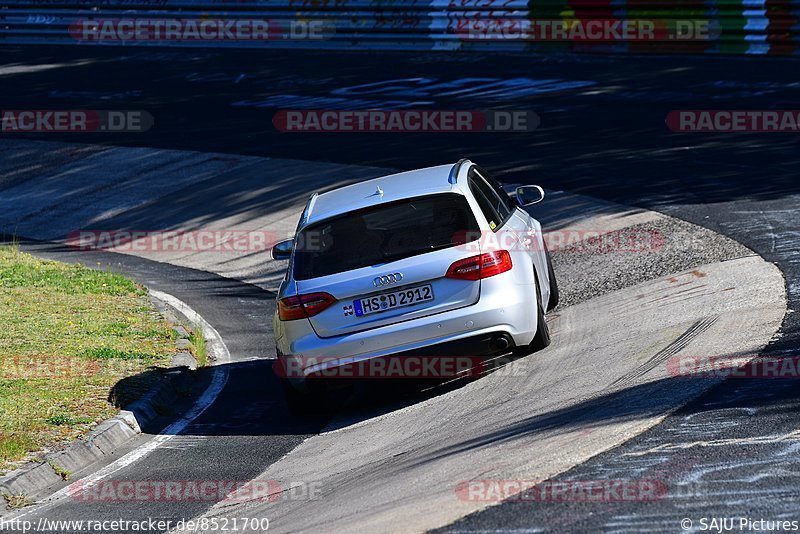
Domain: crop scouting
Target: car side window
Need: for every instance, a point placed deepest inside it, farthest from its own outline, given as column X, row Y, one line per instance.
column 487, row 200
column 491, row 205
column 509, row 202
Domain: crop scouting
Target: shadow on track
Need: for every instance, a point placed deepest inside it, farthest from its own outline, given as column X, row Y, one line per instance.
column 602, row 129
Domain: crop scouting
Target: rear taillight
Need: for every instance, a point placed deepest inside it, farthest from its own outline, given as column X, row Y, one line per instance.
column 302, row 306
column 480, row 266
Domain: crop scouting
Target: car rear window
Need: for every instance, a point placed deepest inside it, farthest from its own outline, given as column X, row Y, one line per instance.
column 382, row 234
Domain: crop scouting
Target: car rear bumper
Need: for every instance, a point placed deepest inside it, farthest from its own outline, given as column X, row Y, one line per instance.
column 441, row 361
column 505, row 310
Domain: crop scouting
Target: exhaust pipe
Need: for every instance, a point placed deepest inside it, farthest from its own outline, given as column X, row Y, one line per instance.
column 501, row 343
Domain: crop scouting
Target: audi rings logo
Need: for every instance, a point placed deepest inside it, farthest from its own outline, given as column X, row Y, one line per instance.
column 388, row 279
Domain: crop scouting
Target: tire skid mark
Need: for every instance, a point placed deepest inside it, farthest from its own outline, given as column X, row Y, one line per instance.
column 667, row 352
column 671, row 296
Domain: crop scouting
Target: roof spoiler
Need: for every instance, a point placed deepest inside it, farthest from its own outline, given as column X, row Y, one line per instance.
column 307, row 211
column 453, row 178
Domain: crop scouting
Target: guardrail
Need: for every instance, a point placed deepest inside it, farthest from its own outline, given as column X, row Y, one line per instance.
column 693, row 26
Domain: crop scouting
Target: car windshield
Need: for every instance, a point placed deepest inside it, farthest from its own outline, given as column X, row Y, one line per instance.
column 384, row 233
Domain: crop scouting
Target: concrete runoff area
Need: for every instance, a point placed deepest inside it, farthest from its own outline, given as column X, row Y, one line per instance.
column 605, row 378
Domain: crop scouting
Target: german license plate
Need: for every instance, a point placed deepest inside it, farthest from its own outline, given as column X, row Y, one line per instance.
column 390, row 301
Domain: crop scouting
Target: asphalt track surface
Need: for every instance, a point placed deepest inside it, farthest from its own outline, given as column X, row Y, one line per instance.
column 602, row 133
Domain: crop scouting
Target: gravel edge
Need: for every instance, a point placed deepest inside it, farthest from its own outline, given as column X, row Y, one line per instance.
column 637, row 254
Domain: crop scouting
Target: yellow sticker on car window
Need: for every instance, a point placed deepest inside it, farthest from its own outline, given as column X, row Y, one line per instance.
column 492, row 225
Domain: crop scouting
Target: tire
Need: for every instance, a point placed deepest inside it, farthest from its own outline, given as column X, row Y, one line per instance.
column 305, row 401
column 553, row 302
column 298, row 402
column 541, row 339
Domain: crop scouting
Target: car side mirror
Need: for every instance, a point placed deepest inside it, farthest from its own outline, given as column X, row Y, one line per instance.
column 283, row 250
column 527, row 195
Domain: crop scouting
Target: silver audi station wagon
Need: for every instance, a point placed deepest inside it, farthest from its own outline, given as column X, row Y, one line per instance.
column 433, row 261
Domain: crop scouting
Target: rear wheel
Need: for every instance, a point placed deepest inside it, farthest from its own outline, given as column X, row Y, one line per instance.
column 551, row 275
column 303, row 400
column 542, row 337
column 298, row 402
